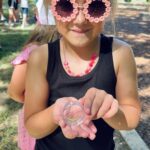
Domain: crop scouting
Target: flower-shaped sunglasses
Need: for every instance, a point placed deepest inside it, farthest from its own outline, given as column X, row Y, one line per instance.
column 94, row 10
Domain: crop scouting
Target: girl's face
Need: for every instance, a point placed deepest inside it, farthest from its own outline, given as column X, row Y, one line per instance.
column 79, row 32
column 80, row 29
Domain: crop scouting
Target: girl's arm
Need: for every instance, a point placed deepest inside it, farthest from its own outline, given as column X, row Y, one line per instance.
column 16, row 86
column 126, row 91
column 122, row 113
column 38, row 117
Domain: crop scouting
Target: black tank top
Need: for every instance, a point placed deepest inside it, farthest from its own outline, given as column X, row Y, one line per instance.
column 62, row 85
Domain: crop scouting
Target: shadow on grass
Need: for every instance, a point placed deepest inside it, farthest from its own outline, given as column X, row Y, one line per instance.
column 11, row 108
column 12, row 105
column 12, row 42
column 7, row 139
column 132, row 27
column 144, row 80
column 5, row 75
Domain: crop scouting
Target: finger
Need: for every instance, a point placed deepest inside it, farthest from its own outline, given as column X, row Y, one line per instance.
column 68, row 132
column 91, row 134
column 113, row 110
column 92, row 127
column 81, row 132
column 98, row 100
column 81, row 101
column 88, row 100
column 87, row 119
column 106, row 105
column 62, row 124
column 86, row 128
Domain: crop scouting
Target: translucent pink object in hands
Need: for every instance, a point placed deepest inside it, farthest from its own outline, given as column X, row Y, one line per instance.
column 73, row 114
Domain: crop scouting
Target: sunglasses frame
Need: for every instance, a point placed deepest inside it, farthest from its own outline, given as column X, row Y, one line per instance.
column 77, row 7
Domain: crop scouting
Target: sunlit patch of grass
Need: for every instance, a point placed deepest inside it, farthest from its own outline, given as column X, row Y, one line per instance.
column 11, row 108
column 11, row 41
column 7, row 139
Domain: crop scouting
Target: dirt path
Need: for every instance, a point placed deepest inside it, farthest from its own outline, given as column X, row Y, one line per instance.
column 132, row 26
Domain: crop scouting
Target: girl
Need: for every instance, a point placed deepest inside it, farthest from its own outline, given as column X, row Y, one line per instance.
column 40, row 35
column 44, row 31
column 82, row 66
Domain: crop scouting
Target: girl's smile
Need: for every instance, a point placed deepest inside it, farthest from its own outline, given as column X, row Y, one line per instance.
column 80, row 31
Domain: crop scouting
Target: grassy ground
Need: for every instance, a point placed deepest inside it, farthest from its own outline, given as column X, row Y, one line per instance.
column 11, row 41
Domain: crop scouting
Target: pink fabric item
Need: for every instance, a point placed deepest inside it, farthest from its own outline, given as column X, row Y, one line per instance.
column 24, row 55
column 25, row 141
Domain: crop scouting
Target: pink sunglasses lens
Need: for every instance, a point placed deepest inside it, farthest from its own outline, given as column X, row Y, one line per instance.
column 64, row 8
column 96, row 8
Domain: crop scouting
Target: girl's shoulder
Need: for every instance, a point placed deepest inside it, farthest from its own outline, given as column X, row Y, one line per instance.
column 122, row 53
column 119, row 45
column 41, row 50
column 30, row 47
column 122, row 49
column 39, row 57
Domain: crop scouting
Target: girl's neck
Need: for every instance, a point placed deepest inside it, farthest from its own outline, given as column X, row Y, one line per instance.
column 80, row 52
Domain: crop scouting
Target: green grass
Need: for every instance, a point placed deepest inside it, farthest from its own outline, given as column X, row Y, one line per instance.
column 11, row 42
column 8, row 142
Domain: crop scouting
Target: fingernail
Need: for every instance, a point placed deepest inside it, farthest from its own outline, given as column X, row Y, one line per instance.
column 87, row 110
column 95, row 130
column 92, row 136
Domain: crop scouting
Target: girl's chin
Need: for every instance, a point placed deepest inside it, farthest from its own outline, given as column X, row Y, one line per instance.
column 79, row 42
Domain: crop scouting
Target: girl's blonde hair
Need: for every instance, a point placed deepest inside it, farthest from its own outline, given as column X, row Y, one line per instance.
column 114, row 6
column 42, row 34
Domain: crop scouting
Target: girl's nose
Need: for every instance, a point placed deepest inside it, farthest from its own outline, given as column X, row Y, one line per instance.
column 80, row 18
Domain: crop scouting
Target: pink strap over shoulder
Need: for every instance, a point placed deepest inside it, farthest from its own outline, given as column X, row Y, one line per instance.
column 24, row 55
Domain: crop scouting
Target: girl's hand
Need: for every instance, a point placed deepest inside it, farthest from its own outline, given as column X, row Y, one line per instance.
column 83, row 130
column 99, row 104
column 86, row 129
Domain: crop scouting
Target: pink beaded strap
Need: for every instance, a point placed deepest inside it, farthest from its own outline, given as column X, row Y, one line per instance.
column 24, row 55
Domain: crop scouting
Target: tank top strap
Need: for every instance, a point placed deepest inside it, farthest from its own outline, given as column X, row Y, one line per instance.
column 106, row 72
column 53, row 49
column 106, row 44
